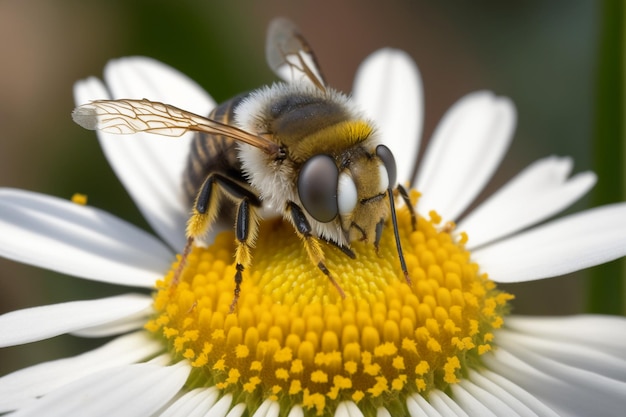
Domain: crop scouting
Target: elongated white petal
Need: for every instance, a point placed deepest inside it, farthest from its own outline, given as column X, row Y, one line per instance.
column 445, row 405
column 382, row 412
column 195, row 403
column 538, row 192
column 77, row 240
column 418, row 406
column 132, row 390
column 465, row 150
column 162, row 162
column 38, row 323
column 268, row 408
column 139, row 165
column 475, row 406
column 220, row 409
column 296, row 411
column 495, row 402
column 513, row 396
column 565, row 389
column 142, row 77
column 124, row 325
column 566, row 352
column 602, row 333
column 150, row 167
column 24, row 386
column 237, row 411
column 352, row 409
column 565, row 245
column 388, row 87
column 532, row 402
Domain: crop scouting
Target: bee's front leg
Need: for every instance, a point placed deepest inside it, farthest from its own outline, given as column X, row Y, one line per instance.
column 311, row 243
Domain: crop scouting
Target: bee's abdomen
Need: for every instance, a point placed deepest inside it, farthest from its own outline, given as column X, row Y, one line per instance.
column 213, row 153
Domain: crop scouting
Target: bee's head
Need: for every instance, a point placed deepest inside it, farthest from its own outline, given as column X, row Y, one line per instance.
column 352, row 190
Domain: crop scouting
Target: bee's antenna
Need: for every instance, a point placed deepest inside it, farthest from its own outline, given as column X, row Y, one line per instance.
column 396, row 233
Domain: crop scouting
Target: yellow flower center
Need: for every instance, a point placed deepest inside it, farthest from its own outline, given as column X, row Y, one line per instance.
column 293, row 339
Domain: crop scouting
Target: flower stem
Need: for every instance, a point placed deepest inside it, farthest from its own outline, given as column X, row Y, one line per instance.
column 606, row 284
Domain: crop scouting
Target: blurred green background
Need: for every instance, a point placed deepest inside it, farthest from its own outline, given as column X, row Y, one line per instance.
column 541, row 54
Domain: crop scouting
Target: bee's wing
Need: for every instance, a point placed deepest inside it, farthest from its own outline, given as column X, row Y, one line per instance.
column 289, row 54
column 133, row 116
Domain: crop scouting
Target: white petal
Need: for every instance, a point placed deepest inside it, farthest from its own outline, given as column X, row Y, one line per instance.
column 568, row 352
column 132, row 390
column 418, row 406
column 163, row 359
column 388, row 87
column 494, row 402
column 220, row 409
column 143, row 77
column 140, row 164
column 513, row 396
column 268, row 408
column 38, row 323
column 538, row 192
column 565, row 245
column 532, row 402
column 342, row 410
column 603, row 333
column 474, row 406
column 237, row 411
column 565, row 389
column 159, row 163
column 296, row 411
column 465, row 150
column 23, row 386
column 78, row 240
column 352, row 409
column 195, row 403
column 382, row 412
column 124, row 325
column 445, row 405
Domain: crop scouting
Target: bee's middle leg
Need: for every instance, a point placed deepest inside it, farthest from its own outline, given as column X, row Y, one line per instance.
column 246, row 227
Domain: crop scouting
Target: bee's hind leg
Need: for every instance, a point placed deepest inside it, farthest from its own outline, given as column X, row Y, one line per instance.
column 311, row 243
column 205, row 209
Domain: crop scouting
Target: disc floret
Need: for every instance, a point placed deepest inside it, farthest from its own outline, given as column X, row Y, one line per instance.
column 293, row 339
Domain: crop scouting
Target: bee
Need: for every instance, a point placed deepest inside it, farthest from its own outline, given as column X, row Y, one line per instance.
column 298, row 148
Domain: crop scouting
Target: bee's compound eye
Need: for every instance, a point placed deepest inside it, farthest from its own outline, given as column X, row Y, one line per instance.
column 385, row 155
column 317, row 187
column 346, row 194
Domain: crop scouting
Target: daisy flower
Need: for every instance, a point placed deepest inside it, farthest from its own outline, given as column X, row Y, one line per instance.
column 444, row 346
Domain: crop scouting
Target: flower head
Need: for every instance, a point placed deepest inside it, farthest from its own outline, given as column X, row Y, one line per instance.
column 443, row 344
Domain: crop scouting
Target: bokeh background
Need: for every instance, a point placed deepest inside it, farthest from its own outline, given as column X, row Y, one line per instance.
column 541, row 54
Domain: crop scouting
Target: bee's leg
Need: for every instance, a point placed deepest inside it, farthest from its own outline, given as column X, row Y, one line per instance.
column 182, row 262
column 345, row 249
column 396, row 233
column 246, row 229
column 246, row 226
column 205, row 210
column 379, row 234
column 311, row 243
column 405, row 197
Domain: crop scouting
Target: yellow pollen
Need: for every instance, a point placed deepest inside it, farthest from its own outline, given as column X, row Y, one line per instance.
column 80, row 199
column 293, row 339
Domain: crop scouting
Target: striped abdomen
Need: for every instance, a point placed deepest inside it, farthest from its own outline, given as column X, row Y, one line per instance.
column 213, row 153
